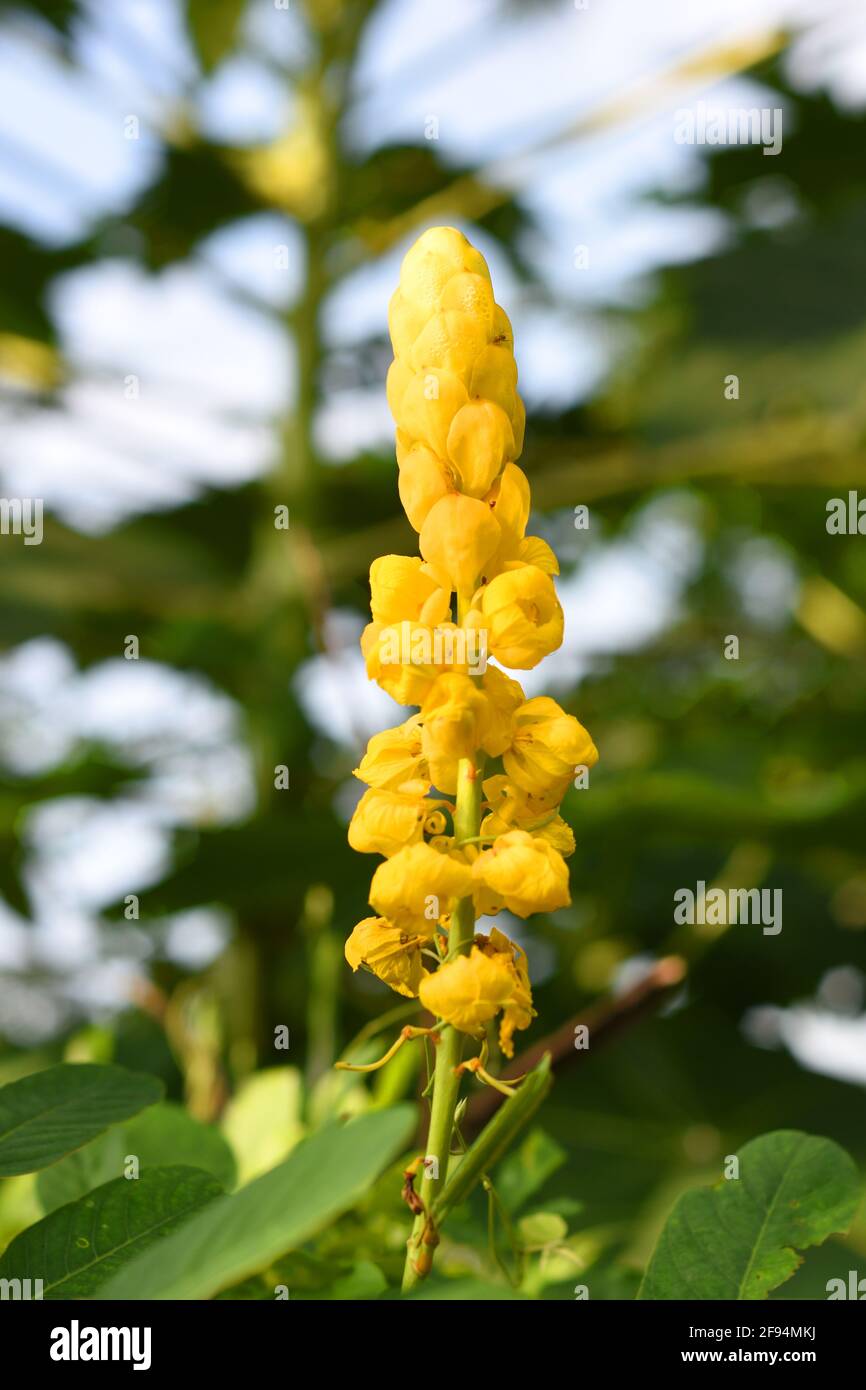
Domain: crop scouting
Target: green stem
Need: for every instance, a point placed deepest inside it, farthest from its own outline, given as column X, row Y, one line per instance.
column 446, row 1081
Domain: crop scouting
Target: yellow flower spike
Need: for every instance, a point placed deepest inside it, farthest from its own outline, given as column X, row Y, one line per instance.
column 480, row 442
column 389, row 952
column 385, row 821
column 523, row 615
column 547, row 745
column 469, row 991
column 417, row 886
column 406, row 1035
column 452, row 390
column 520, row 872
column 394, row 756
column 454, row 715
column 459, row 536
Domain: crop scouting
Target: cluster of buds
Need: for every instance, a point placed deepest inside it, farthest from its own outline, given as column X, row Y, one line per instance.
column 452, row 389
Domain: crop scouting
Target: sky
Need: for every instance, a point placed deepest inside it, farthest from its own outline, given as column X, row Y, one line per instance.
column 506, row 88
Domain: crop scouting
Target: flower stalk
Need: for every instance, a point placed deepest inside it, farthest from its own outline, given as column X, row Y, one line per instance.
column 449, row 1051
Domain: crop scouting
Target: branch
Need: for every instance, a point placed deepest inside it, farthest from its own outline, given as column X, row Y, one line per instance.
column 605, row 1022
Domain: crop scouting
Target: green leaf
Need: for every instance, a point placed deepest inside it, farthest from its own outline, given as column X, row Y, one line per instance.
column 166, row 1134
column 81, row 1245
column 50, row 1113
column 242, row 1233
column 494, row 1139
column 738, row 1240
column 525, row 1171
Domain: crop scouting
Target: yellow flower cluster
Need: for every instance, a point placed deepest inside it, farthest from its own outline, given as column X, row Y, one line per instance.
column 452, row 389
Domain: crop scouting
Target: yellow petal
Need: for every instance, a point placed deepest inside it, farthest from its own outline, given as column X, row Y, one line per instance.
column 457, row 539
column 471, row 295
column 523, row 873
column 452, row 340
column 455, row 716
column 405, row 322
column 417, row 886
column 398, row 379
column 422, row 480
column 428, row 404
column 480, row 441
column 523, row 615
column 547, row 746
column 385, row 821
column 393, row 757
column 399, row 588
column 494, row 377
column 389, row 952
column 468, row 991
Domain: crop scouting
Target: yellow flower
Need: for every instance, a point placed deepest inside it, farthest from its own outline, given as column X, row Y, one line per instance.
column 509, row 500
column 518, row 807
column 469, row 990
column 427, row 403
column 389, row 952
column 532, row 550
column 394, row 756
column 512, row 808
column 385, row 821
column 401, row 657
column 455, row 715
column 524, row 619
column 401, row 588
column 518, row 1012
column 423, row 479
column 452, row 340
column 546, row 746
column 480, row 441
column 457, row 539
column 520, row 872
column 494, row 378
column 504, row 696
column 556, row 831
column 407, row 683
column 437, row 255
column 417, row 886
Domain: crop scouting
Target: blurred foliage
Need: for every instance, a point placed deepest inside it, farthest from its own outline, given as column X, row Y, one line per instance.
column 748, row 772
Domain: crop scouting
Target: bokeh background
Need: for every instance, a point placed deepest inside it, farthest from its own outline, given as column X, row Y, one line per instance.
column 203, row 207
